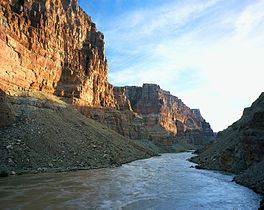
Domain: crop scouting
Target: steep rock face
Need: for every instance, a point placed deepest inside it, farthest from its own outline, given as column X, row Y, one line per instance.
column 53, row 46
column 150, row 113
column 165, row 116
column 239, row 147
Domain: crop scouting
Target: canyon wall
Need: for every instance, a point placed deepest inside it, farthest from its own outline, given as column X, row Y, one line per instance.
column 155, row 115
column 166, row 116
column 52, row 46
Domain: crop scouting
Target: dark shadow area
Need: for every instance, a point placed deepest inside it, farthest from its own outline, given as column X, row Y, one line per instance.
column 7, row 116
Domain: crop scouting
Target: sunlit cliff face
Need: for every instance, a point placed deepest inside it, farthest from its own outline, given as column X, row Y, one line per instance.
column 53, row 47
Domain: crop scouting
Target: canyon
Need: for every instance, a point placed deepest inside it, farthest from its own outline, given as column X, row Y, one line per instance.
column 54, row 47
column 59, row 112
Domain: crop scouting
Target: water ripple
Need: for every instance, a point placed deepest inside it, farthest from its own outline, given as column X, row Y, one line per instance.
column 165, row 182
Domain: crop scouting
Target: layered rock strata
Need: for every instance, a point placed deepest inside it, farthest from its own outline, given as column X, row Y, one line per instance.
column 164, row 115
column 53, row 46
column 240, row 148
column 151, row 113
column 125, row 122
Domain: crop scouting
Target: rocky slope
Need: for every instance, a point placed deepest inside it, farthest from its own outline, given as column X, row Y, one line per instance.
column 240, row 148
column 48, row 136
column 151, row 113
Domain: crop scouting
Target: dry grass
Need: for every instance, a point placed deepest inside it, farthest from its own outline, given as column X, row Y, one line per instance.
column 41, row 95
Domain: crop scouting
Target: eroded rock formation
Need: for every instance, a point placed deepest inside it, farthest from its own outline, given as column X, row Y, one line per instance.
column 127, row 123
column 151, row 113
column 164, row 115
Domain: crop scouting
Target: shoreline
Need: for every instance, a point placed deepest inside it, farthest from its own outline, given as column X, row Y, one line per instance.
column 236, row 179
column 69, row 169
column 75, row 168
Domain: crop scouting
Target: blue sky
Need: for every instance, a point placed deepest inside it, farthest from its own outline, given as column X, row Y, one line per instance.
column 209, row 53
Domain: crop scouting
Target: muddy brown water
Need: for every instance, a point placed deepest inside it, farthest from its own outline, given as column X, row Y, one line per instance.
column 165, row 182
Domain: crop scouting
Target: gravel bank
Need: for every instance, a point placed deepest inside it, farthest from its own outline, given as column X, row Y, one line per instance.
column 49, row 137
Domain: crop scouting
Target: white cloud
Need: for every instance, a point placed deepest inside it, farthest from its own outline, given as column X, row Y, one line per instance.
column 250, row 19
column 219, row 50
column 154, row 22
column 234, row 66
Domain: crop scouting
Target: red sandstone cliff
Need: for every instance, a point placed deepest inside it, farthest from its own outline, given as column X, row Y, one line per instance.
column 53, row 46
column 166, row 116
column 151, row 113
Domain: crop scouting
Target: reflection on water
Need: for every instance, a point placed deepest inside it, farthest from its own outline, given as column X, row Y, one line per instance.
column 165, row 182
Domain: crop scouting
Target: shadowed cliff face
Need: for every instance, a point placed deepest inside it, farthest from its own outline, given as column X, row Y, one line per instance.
column 53, row 46
column 7, row 116
column 240, row 147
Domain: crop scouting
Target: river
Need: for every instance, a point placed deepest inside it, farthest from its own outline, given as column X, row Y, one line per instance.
column 164, row 182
